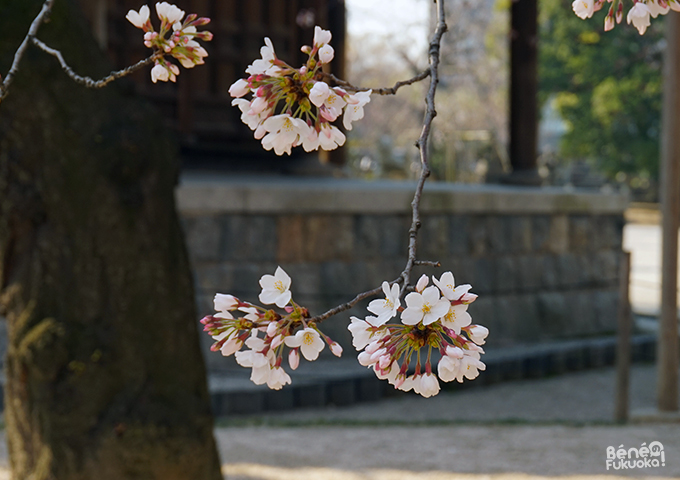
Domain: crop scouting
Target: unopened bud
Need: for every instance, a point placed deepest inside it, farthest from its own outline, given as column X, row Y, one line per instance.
column 294, row 359
column 306, row 49
column 336, row 349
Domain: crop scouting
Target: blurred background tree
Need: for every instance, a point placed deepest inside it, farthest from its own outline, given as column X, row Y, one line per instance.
column 607, row 88
column 103, row 374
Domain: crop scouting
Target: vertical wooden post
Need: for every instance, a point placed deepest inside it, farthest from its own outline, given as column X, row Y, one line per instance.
column 523, row 88
column 623, row 343
column 667, row 350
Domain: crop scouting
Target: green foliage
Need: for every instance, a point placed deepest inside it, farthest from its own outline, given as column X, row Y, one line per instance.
column 607, row 87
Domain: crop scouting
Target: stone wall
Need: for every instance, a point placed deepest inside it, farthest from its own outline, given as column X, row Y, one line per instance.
column 544, row 261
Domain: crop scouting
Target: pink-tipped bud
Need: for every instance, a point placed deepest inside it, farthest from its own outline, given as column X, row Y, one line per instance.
column 422, row 283
column 619, row 13
column 207, row 319
column 190, row 18
column 294, row 359
column 205, row 36
column 372, row 347
column 272, row 328
column 336, row 349
column 608, row 23
column 306, row 49
column 385, row 361
column 471, row 297
column 202, row 21
column 278, row 340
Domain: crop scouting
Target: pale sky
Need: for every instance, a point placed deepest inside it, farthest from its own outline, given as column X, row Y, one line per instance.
column 401, row 20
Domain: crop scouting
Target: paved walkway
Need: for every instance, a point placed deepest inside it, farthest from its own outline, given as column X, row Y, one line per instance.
column 523, row 430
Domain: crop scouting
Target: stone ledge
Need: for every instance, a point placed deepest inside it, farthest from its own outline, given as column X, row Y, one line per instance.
column 233, row 194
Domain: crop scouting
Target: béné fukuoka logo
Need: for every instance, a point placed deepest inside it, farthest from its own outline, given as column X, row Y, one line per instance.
column 644, row 457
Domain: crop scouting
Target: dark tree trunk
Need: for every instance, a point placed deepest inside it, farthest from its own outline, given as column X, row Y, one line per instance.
column 105, row 379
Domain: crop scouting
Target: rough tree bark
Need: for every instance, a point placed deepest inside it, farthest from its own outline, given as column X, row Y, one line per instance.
column 104, row 375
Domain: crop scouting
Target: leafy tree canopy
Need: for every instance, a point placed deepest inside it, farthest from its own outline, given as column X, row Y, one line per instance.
column 607, row 86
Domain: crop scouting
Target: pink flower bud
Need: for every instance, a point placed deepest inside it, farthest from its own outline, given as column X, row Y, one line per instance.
column 422, row 283
column 468, row 298
column 306, row 49
column 336, row 349
column 294, row 359
column 278, row 340
column 272, row 328
column 202, row 21
column 608, row 23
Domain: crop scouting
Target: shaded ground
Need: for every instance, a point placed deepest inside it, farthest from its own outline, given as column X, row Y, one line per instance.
column 526, row 430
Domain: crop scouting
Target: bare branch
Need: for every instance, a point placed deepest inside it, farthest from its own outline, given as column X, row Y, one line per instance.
column 32, row 31
column 427, row 263
column 430, row 113
column 348, row 305
column 87, row 81
column 378, row 91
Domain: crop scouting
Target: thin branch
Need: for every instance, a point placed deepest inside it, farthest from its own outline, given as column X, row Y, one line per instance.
column 427, row 263
column 348, row 305
column 87, row 81
column 430, row 113
column 379, row 91
column 32, row 31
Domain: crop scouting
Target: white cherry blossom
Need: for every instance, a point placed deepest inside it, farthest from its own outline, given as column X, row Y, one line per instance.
column 276, row 288
column 428, row 385
column 355, row 108
column 278, row 378
column 427, row 307
column 266, row 62
column 360, row 331
column 638, row 15
column 456, row 318
column 583, row 8
column 168, row 12
column 326, row 54
column 308, row 341
column 321, row 36
column 318, row 93
column 388, row 307
column 330, row 137
column 225, row 303
column 655, row 9
column 478, row 334
column 138, row 19
column 447, row 286
column 284, row 132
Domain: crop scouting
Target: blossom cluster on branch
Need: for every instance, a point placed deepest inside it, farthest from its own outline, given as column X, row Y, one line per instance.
column 639, row 13
column 175, row 38
column 294, row 106
column 435, row 318
column 266, row 332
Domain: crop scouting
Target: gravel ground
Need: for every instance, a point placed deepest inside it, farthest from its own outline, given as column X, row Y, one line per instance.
column 528, row 430
column 557, row 427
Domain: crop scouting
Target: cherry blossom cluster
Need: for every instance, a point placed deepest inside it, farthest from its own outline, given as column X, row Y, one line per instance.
column 435, row 318
column 639, row 13
column 266, row 332
column 176, row 38
column 294, row 106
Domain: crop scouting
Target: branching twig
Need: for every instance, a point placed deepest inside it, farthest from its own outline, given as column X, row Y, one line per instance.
column 37, row 21
column 87, row 81
column 379, row 91
column 430, row 113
